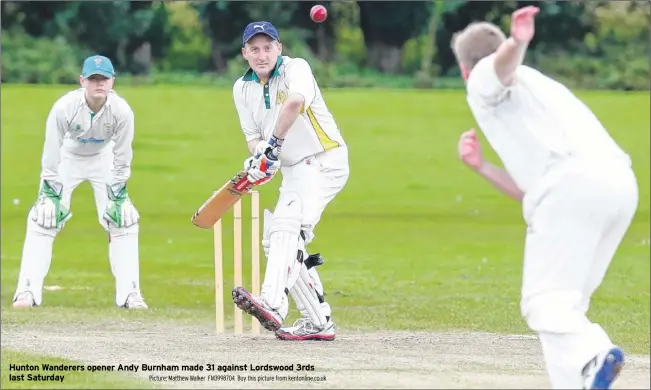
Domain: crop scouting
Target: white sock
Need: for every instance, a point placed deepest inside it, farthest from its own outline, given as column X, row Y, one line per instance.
column 567, row 353
column 35, row 264
column 123, row 255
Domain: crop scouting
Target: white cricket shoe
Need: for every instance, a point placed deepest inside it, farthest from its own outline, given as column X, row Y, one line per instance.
column 24, row 299
column 304, row 329
column 602, row 370
column 135, row 301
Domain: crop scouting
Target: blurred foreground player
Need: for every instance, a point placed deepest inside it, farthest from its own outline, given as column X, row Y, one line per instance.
column 578, row 193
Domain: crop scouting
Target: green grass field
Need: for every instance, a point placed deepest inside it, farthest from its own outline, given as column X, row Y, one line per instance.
column 420, row 244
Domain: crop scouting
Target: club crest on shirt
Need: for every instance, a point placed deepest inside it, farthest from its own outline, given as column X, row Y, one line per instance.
column 280, row 97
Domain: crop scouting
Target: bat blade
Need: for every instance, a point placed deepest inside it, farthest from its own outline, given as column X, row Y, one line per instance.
column 221, row 201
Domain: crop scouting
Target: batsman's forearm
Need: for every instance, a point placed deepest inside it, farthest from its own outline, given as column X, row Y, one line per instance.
column 288, row 113
column 507, row 59
column 501, row 180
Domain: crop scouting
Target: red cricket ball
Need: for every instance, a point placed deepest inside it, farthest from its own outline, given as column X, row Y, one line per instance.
column 318, row 13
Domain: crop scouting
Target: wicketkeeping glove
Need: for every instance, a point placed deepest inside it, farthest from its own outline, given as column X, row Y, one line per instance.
column 48, row 212
column 120, row 211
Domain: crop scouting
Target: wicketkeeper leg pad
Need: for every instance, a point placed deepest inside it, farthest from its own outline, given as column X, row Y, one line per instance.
column 36, row 259
column 124, row 259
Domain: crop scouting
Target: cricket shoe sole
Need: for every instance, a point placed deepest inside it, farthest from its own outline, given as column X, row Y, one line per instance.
column 251, row 306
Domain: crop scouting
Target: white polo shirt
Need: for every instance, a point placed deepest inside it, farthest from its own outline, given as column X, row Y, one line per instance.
column 534, row 123
column 73, row 126
column 258, row 105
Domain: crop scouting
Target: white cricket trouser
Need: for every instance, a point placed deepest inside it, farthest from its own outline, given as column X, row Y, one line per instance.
column 76, row 169
column 314, row 183
column 317, row 180
column 123, row 242
column 576, row 218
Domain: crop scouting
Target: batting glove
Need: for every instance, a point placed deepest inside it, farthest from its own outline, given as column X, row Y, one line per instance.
column 265, row 162
column 262, row 170
column 270, row 148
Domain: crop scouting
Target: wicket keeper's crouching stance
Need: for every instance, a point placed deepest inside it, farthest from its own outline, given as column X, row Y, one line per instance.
column 288, row 127
column 88, row 137
column 578, row 193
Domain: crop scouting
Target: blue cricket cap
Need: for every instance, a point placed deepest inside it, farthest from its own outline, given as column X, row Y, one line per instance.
column 97, row 65
column 256, row 28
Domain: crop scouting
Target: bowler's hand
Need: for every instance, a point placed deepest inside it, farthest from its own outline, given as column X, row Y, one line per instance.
column 470, row 150
column 523, row 25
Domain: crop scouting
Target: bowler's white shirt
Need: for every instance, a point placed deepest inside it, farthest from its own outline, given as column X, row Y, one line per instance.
column 73, row 126
column 534, row 123
column 258, row 105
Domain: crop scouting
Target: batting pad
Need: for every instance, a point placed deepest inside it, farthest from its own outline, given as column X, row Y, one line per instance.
column 284, row 256
column 267, row 217
column 306, row 296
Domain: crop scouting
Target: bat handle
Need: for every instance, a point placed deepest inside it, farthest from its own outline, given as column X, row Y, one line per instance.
column 241, row 184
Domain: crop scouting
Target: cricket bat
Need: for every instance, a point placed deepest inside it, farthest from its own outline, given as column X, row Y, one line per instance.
column 221, row 201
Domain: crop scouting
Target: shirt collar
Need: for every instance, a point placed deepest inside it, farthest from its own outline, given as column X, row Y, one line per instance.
column 107, row 103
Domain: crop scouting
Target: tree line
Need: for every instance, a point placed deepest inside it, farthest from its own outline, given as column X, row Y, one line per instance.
column 595, row 44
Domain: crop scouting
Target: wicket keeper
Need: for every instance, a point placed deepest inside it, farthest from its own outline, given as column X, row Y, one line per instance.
column 288, row 128
column 577, row 189
column 88, row 137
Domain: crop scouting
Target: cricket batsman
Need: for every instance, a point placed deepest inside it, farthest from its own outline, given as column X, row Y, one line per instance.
column 577, row 189
column 288, row 128
column 88, row 137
